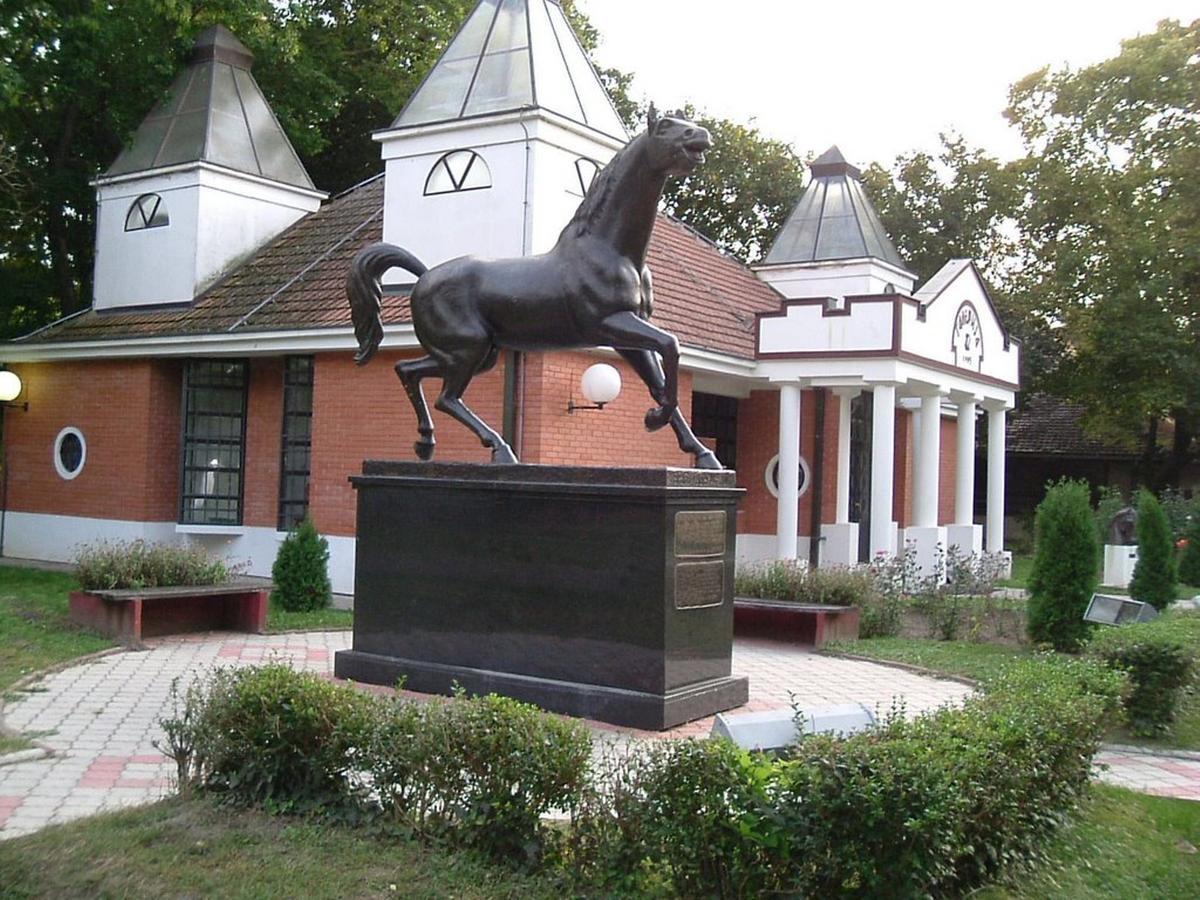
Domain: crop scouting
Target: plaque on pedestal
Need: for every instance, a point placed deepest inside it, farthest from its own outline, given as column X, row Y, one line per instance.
column 603, row 593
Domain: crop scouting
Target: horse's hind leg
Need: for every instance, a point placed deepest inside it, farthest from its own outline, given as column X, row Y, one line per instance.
column 411, row 372
column 645, row 363
column 457, row 373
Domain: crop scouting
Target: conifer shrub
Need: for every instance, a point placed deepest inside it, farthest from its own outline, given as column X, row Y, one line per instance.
column 1189, row 560
column 1155, row 575
column 1160, row 658
column 301, row 571
column 1066, row 559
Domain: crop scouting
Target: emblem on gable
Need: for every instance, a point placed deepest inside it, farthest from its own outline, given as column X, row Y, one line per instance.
column 967, row 338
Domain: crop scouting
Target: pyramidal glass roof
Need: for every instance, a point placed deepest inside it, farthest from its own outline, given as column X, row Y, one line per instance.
column 509, row 55
column 215, row 112
column 834, row 219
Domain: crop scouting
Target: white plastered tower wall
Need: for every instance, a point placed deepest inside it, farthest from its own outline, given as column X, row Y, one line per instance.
column 208, row 179
column 514, row 92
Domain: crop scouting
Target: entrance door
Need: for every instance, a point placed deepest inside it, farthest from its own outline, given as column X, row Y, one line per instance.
column 861, row 408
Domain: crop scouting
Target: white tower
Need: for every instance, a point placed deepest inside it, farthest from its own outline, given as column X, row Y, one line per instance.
column 834, row 245
column 494, row 151
column 209, row 178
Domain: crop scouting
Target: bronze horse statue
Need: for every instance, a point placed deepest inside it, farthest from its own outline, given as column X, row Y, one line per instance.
column 592, row 289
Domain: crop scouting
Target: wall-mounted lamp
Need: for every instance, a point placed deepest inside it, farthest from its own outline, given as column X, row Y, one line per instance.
column 600, row 384
column 10, row 390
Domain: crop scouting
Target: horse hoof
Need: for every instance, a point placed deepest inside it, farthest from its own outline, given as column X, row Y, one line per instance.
column 658, row 417
column 708, row 460
column 424, row 450
column 503, row 456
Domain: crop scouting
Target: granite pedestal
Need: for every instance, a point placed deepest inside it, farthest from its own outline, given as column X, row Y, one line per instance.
column 603, row 593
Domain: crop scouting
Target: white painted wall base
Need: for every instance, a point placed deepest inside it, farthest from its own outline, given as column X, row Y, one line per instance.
column 929, row 545
column 967, row 538
column 839, row 544
column 53, row 538
column 756, row 548
column 1119, row 563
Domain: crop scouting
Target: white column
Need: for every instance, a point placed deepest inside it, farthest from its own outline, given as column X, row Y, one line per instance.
column 843, row 458
column 883, row 452
column 995, row 481
column 787, row 514
column 929, row 448
column 964, row 476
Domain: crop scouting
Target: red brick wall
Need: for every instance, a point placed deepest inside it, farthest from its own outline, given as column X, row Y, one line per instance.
column 264, row 443
column 946, row 472
column 128, row 412
column 902, row 475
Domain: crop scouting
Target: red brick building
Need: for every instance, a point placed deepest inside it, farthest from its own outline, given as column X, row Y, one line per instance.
column 210, row 393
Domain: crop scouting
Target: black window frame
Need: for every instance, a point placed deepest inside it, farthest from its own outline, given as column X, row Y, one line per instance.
column 193, row 381
column 154, row 202
column 298, row 373
column 715, row 416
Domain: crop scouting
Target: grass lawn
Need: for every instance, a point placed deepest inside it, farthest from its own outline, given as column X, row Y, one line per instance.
column 193, row 849
column 316, row 620
column 36, row 631
column 979, row 661
column 1022, row 566
column 1123, row 845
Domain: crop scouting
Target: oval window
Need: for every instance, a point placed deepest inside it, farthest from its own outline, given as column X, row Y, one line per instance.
column 771, row 476
column 70, row 453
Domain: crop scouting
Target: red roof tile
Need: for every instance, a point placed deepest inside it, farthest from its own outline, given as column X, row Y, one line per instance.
column 707, row 299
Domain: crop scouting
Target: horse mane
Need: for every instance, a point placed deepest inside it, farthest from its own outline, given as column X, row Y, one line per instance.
column 596, row 201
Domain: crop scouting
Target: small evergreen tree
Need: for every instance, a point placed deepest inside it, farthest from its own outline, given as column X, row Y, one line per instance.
column 1189, row 564
column 1065, row 563
column 1154, row 576
column 301, row 570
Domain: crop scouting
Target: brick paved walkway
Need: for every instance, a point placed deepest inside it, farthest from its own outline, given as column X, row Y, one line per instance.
column 100, row 717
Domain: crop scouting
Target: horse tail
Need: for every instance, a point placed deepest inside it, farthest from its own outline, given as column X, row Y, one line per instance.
column 366, row 293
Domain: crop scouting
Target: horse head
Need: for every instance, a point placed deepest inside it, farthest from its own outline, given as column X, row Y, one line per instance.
column 674, row 144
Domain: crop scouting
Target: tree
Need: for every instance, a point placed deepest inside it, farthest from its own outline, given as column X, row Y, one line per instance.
column 1154, row 576
column 1066, row 558
column 743, row 193
column 301, row 570
column 1110, row 223
column 76, row 78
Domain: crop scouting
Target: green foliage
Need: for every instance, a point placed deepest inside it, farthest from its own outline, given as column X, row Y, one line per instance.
column 1160, row 657
column 269, row 736
column 1108, row 228
column 301, row 571
column 479, row 772
column 118, row 565
column 1155, row 575
column 928, row 806
column 796, row 582
column 741, row 196
column 1189, row 560
column 1110, row 502
column 1066, row 558
column 1180, row 511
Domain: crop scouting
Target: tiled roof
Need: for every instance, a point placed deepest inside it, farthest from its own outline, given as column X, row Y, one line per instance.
column 1050, row 426
column 708, row 300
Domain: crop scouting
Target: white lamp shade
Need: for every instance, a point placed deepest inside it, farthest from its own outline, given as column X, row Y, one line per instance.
column 10, row 386
column 601, row 383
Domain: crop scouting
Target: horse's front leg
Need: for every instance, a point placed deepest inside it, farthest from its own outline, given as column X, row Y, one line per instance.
column 625, row 331
column 645, row 363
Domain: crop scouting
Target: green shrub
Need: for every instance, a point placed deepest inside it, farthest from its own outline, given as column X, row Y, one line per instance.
column 478, row 772
column 1154, row 576
column 797, row 582
column 1160, row 657
column 1179, row 510
column 1110, row 502
column 1065, row 563
column 301, row 570
column 120, row 565
column 1189, row 560
column 270, row 736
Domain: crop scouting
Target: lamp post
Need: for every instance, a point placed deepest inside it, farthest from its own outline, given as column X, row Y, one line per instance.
column 10, row 390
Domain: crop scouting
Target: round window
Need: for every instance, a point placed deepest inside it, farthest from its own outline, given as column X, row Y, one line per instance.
column 772, row 476
column 70, row 453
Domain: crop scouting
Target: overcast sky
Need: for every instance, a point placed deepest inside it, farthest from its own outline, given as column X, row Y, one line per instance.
column 876, row 78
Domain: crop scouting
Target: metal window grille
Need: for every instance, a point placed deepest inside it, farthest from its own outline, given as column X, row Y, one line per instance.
column 214, row 441
column 714, row 416
column 296, row 459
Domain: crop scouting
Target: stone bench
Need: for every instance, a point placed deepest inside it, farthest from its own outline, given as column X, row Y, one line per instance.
column 131, row 615
column 796, row 622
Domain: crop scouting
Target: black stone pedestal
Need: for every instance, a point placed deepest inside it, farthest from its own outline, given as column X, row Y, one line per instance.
column 603, row 593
